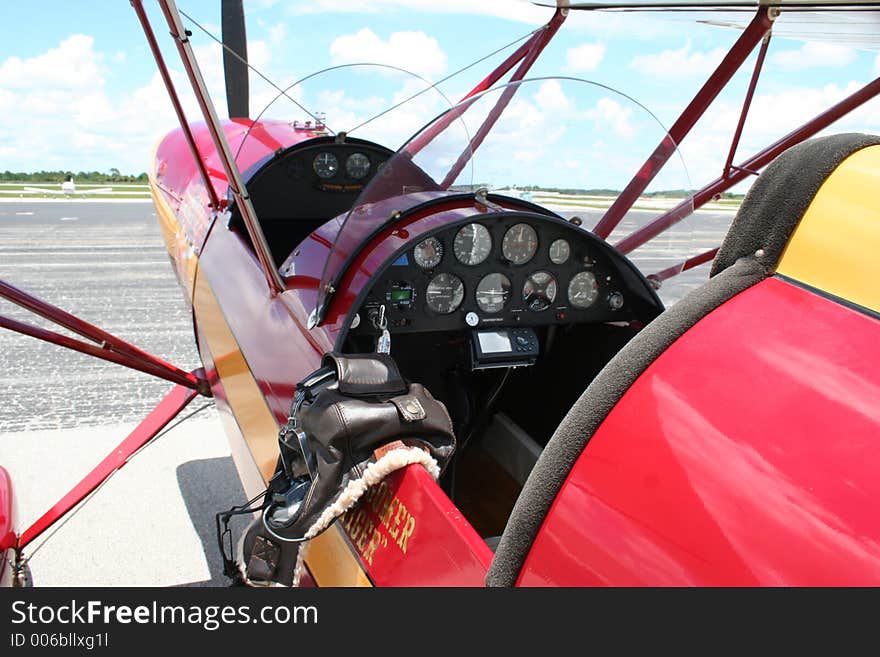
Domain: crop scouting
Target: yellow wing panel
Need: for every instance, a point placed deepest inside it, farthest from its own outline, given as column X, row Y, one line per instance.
column 836, row 246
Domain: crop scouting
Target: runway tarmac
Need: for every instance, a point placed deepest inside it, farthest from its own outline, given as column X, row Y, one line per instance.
column 61, row 412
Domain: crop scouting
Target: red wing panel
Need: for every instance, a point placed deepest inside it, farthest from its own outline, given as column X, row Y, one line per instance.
column 408, row 533
column 747, row 454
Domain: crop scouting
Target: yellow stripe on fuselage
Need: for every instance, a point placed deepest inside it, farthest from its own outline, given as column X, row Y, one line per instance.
column 331, row 560
column 256, row 421
column 257, row 424
column 836, row 246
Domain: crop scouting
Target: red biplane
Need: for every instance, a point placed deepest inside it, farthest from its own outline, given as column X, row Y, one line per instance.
column 428, row 382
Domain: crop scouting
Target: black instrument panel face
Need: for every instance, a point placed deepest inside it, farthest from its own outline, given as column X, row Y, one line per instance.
column 508, row 269
column 335, row 168
column 315, row 180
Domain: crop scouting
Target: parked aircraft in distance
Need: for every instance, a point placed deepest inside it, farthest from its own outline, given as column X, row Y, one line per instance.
column 68, row 189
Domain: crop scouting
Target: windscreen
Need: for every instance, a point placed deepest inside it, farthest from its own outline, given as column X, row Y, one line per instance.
column 591, row 154
column 377, row 102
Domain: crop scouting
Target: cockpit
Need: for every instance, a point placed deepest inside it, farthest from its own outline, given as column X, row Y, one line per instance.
column 504, row 309
column 505, row 316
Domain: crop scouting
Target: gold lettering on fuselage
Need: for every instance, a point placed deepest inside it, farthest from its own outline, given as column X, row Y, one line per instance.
column 380, row 512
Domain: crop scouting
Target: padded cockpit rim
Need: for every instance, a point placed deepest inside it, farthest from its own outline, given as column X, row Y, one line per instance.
column 781, row 195
column 591, row 409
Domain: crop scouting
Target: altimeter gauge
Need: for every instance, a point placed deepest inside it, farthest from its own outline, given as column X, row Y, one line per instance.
column 519, row 244
column 357, row 166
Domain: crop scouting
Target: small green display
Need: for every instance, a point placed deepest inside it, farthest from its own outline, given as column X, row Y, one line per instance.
column 398, row 296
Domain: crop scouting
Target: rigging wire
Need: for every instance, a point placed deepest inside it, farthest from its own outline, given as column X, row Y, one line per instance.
column 246, row 63
column 88, row 497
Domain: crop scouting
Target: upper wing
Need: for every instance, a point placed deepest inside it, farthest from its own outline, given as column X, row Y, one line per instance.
column 848, row 22
column 100, row 190
column 690, row 5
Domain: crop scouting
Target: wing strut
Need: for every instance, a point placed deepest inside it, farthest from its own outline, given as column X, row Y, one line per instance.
column 657, row 279
column 174, row 402
column 108, row 347
column 236, row 185
column 175, row 102
column 745, row 44
column 526, row 53
column 749, row 167
column 542, row 38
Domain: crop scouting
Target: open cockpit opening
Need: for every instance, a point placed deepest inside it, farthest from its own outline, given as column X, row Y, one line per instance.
column 302, row 187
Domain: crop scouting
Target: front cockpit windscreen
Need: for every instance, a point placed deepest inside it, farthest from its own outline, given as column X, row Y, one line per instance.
column 379, row 103
column 585, row 151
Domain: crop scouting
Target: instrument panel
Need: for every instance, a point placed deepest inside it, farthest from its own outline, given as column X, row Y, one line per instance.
column 314, row 180
column 508, row 269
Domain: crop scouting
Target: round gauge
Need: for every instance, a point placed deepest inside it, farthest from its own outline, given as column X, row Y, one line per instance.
column 539, row 291
column 325, row 165
column 445, row 293
column 560, row 251
column 583, row 290
column 493, row 292
column 357, row 166
column 472, row 244
column 428, row 253
column 519, row 244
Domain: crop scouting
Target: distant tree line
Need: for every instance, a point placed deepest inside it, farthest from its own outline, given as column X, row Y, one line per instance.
column 113, row 176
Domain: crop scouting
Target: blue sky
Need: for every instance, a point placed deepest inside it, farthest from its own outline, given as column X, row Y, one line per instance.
column 78, row 87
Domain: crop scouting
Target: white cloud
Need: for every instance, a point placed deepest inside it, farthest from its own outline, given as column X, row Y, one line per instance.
column 585, row 57
column 551, row 98
column 73, row 64
column 277, row 33
column 348, row 109
column 678, row 62
column 610, row 114
column 414, row 51
column 59, row 114
column 814, row 54
column 259, row 54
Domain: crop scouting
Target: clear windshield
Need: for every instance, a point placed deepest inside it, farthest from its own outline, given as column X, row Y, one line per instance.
column 567, row 144
column 377, row 102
